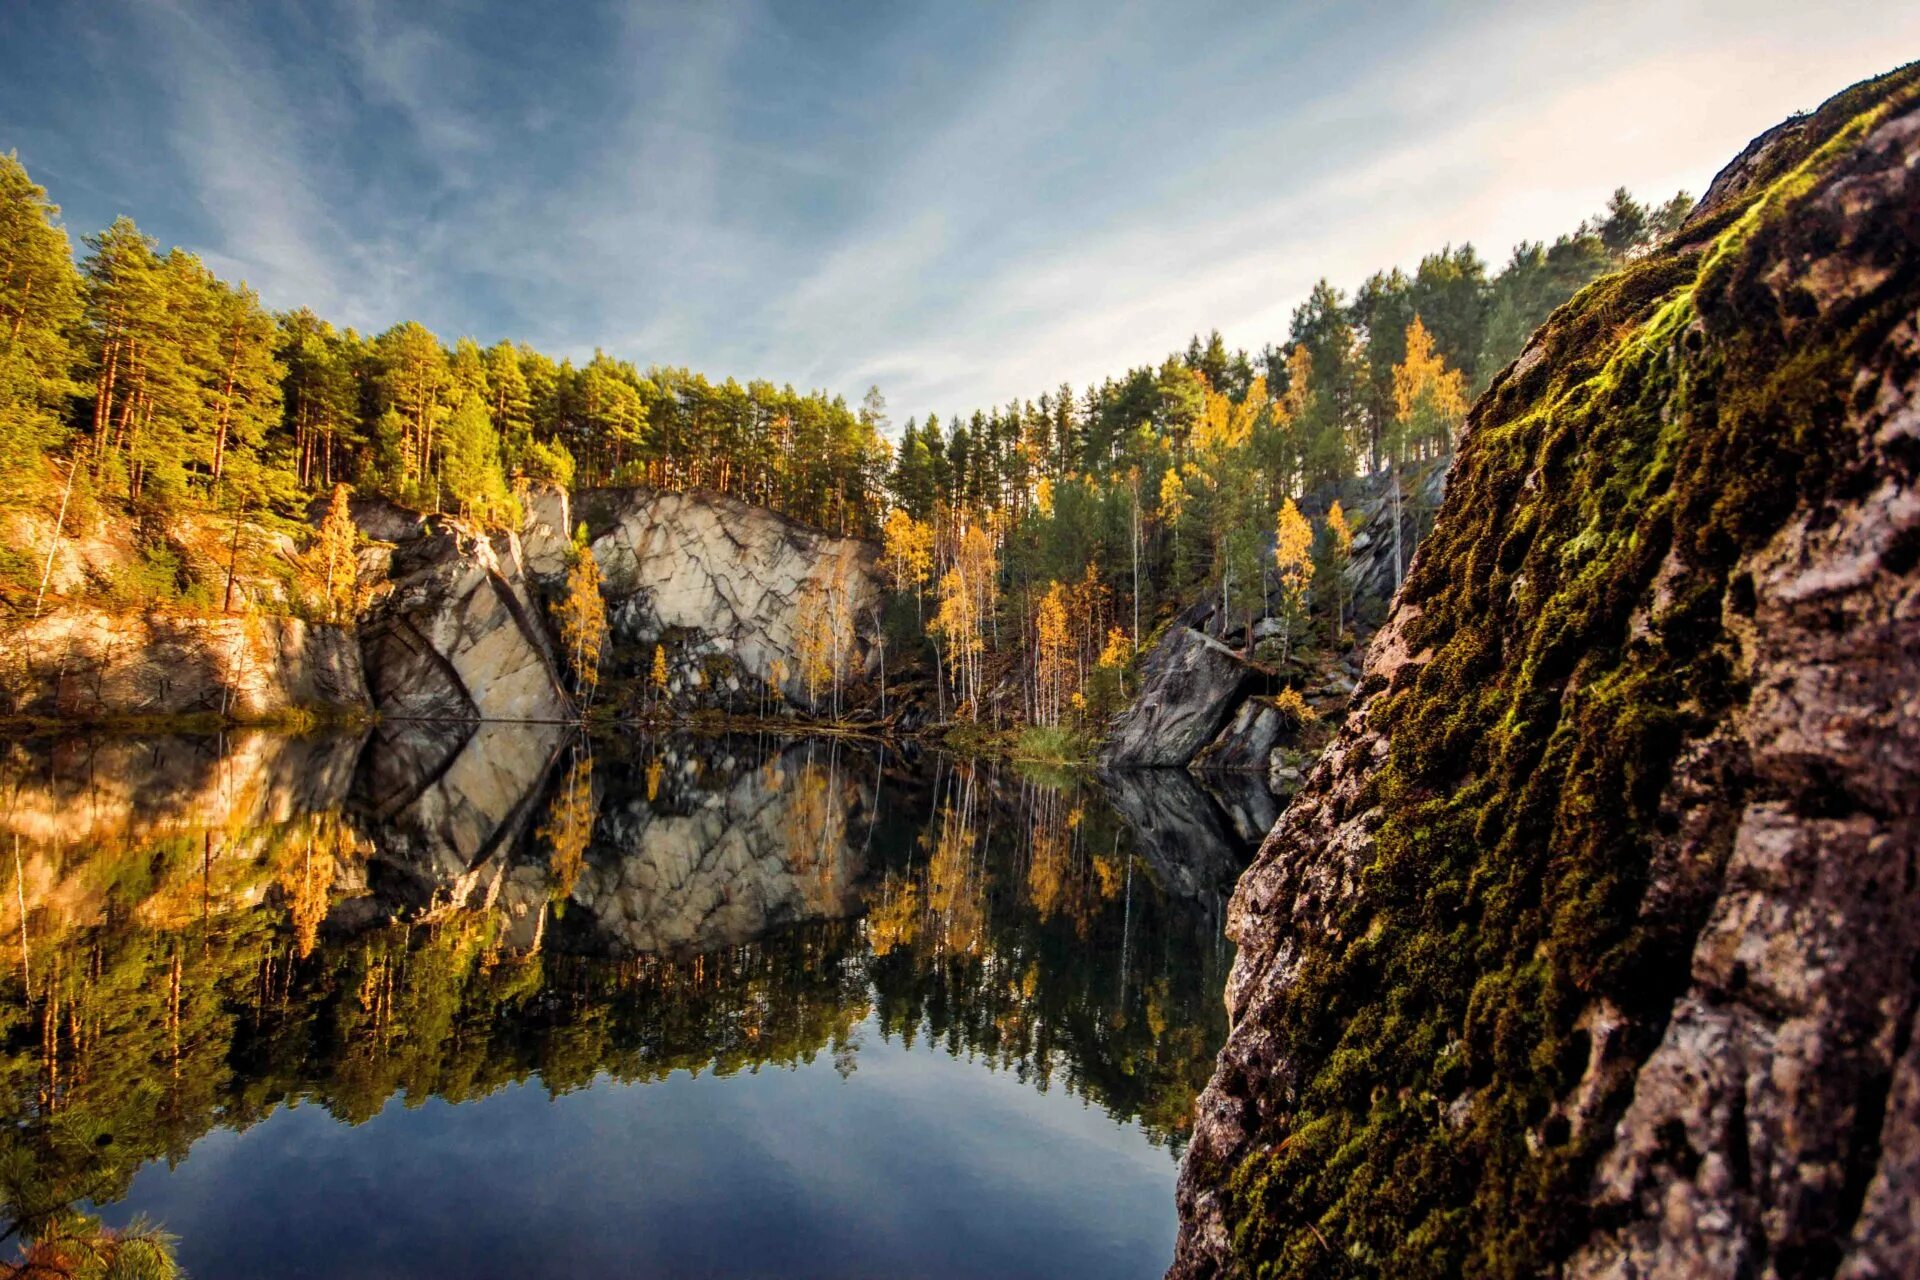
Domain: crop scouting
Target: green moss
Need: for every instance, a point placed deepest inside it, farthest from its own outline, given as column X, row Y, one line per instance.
column 1676, row 421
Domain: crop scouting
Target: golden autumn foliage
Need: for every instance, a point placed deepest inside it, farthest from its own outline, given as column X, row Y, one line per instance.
column 332, row 561
column 581, row 614
column 1293, row 557
column 1429, row 398
column 1053, row 657
column 568, row 826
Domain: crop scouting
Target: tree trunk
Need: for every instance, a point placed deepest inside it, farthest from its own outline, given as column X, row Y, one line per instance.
column 226, row 411
column 46, row 574
column 233, row 560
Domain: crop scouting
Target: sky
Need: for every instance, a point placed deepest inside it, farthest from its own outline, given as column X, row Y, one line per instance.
column 962, row 203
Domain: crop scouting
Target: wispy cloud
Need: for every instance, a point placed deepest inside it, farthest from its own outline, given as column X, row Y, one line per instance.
column 963, row 204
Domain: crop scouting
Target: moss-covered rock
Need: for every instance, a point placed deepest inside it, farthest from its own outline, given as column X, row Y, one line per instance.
column 1591, row 945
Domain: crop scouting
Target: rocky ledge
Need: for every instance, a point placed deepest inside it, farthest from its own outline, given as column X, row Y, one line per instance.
column 1592, row 945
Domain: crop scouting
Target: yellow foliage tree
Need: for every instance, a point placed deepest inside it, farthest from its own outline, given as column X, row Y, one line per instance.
column 1225, row 425
column 813, row 636
column 582, row 617
column 658, row 675
column 332, row 562
column 1053, row 658
column 966, row 600
column 308, row 888
column 1339, row 537
column 1293, row 555
column 908, row 545
column 1429, row 401
column 568, row 827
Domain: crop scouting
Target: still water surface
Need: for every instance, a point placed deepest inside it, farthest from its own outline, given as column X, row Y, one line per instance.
column 508, row 1003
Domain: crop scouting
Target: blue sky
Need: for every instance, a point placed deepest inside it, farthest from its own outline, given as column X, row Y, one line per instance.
column 961, row 202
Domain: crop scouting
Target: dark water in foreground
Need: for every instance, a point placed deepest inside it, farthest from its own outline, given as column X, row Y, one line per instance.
column 503, row 1004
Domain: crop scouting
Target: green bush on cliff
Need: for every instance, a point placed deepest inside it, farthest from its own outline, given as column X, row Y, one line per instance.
column 1672, row 421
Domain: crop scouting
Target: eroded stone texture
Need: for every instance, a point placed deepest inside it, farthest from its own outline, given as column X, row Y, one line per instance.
column 460, row 635
column 731, row 590
column 80, row 663
column 1189, row 685
column 1767, row 1121
column 1246, row 744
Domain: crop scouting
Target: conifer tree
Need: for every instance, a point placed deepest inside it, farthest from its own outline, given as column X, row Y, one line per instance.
column 39, row 308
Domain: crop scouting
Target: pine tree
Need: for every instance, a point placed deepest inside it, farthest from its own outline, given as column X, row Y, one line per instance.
column 470, row 469
column 413, row 382
column 39, row 309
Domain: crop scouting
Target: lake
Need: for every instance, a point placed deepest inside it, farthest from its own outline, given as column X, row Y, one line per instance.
column 437, row 1000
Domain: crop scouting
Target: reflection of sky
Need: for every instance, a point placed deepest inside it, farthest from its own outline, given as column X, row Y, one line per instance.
column 918, row 1164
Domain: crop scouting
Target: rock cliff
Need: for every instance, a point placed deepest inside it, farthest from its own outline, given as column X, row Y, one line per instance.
column 1190, row 686
column 80, row 663
column 459, row 634
column 1590, row 947
column 457, row 627
column 732, row 593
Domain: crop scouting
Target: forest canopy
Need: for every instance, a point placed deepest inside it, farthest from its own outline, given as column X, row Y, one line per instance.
column 136, row 379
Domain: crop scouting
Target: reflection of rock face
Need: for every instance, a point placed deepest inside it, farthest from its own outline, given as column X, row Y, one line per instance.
column 67, row 798
column 90, row 790
column 722, row 579
column 86, row 664
column 460, row 636
column 449, row 802
column 772, row 849
column 1189, row 686
column 1178, row 829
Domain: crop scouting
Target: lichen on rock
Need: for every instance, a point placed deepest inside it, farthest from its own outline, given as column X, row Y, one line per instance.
column 1589, row 946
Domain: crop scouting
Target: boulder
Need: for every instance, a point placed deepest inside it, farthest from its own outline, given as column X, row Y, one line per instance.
column 1246, row 744
column 1189, row 686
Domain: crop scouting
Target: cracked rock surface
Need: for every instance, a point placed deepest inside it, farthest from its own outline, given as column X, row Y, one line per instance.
column 1189, row 686
column 1671, row 1032
column 460, row 634
column 716, row 579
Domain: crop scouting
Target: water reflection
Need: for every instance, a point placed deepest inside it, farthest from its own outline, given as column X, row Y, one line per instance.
column 201, row 931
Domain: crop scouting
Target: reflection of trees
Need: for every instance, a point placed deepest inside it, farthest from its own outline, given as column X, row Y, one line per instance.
column 197, row 979
column 1032, row 938
column 568, row 826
